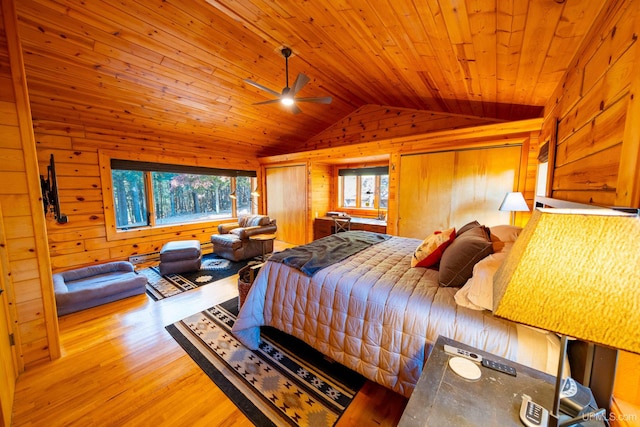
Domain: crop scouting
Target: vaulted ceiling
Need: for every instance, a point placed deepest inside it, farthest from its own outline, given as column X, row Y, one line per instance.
column 175, row 70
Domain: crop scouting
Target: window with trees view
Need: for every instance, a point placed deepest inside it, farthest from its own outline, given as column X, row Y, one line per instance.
column 147, row 194
column 364, row 188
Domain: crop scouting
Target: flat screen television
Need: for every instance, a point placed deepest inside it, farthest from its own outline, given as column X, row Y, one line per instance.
column 50, row 198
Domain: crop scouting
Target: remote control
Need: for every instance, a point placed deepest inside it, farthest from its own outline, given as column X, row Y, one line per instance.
column 532, row 414
column 500, row 367
column 455, row 351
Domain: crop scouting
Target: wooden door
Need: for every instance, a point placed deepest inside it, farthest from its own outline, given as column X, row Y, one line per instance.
column 449, row 189
column 8, row 362
column 287, row 201
column 425, row 188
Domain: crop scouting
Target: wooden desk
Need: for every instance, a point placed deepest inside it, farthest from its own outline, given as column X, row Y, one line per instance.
column 323, row 226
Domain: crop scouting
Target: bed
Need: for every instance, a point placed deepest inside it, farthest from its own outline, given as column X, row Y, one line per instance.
column 377, row 315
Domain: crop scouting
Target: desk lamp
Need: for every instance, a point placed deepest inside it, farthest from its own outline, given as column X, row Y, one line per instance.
column 575, row 273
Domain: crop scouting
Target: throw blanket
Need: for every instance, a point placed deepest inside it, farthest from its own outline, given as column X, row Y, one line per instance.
column 324, row 252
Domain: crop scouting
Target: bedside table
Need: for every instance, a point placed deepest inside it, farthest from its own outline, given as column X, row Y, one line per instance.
column 442, row 397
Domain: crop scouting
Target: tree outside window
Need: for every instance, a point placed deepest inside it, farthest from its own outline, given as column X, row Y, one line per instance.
column 364, row 188
column 129, row 194
column 176, row 198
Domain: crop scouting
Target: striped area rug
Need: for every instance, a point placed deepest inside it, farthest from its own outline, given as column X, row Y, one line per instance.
column 284, row 382
column 213, row 268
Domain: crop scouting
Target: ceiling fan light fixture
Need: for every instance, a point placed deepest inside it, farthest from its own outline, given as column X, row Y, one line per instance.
column 288, row 95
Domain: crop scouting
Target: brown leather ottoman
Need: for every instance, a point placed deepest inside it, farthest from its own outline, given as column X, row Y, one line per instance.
column 180, row 256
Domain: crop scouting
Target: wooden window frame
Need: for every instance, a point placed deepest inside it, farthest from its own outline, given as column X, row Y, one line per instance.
column 112, row 231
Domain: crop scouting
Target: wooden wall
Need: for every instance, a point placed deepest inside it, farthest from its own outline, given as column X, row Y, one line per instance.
column 86, row 199
column 29, row 285
column 597, row 160
column 377, row 122
column 523, row 133
column 322, row 192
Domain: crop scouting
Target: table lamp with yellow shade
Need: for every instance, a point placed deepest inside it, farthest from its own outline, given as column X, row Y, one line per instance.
column 575, row 273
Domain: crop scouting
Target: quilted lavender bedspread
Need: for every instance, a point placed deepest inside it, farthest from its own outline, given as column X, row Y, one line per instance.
column 371, row 312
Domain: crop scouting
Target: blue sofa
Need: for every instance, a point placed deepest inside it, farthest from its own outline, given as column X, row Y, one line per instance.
column 87, row 287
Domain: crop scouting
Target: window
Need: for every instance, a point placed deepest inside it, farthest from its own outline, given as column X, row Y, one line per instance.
column 364, row 188
column 150, row 194
column 129, row 198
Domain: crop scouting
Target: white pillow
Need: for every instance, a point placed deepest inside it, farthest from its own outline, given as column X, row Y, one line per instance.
column 503, row 234
column 462, row 298
column 477, row 293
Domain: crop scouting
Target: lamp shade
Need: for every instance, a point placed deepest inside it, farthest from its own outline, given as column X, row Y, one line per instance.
column 576, row 273
column 514, row 202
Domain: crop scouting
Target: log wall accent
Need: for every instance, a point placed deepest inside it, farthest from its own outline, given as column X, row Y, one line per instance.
column 597, row 159
column 89, row 237
column 597, row 143
column 377, row 122
column 29, row 285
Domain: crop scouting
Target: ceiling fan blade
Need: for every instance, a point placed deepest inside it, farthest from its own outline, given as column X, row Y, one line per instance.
column 271, row 101
column 259, row 86
column 301, row 80
column 295, row 109
column 319, row 100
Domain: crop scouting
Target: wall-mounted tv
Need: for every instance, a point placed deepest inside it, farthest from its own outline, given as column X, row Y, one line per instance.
column 50, row 193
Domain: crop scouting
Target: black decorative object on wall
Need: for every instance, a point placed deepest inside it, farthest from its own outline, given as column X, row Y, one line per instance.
column 50, row 193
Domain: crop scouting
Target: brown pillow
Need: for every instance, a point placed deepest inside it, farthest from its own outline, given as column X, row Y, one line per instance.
column 456, row 265
column 467, row 227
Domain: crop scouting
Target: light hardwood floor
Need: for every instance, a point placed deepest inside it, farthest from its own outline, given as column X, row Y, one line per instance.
column 120, row 367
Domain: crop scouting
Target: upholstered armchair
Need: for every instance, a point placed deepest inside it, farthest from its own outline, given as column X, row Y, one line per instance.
column 233, row 243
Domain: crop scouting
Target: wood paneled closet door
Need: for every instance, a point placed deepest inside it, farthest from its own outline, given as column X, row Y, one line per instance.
column 448, row 189
column 287, row 201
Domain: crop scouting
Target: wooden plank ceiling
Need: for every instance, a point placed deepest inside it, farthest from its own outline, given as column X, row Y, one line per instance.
column 174, row 70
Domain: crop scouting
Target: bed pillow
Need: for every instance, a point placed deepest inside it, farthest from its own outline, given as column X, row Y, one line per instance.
column 456, row 265
column 477, row 293
column 430, row 250
column 468, row 226
column 503, row 234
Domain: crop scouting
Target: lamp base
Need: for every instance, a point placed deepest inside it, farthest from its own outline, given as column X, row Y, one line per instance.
column 593, row 418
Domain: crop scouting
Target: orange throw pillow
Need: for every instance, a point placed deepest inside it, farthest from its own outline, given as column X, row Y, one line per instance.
column 430, row 250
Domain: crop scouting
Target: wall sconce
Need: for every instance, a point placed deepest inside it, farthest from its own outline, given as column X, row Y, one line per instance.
column 233, row 195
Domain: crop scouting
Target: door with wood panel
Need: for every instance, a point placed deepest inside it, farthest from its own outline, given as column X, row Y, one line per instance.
column 287, row 201
column 449, row 189
column 8, row 362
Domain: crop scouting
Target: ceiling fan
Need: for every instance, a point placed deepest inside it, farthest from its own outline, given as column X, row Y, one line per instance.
column 287, row 97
